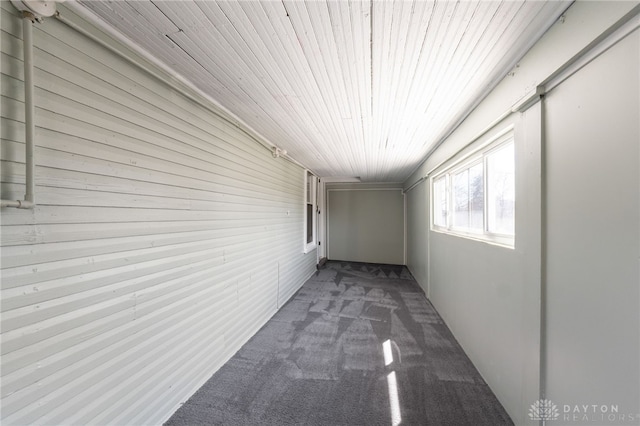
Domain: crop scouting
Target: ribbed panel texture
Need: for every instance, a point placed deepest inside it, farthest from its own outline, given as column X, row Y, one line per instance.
column 162, row 239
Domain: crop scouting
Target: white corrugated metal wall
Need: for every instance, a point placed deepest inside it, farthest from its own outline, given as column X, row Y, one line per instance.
column 163, row 238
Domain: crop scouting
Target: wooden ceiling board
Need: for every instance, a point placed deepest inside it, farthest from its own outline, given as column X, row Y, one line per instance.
column 349, row 88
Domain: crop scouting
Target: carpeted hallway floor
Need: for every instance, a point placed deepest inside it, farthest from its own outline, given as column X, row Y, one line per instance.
column 359, row 344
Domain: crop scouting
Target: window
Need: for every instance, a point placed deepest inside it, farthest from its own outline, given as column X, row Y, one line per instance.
column 468, row 195
column 501, row 198
column 309, row 212
column 440, row 201
column 475, row 197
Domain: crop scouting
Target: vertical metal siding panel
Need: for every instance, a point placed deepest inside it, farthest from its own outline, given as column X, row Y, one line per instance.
column 163, row 239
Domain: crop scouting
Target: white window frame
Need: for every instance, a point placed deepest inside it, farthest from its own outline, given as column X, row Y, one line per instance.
column 313, row 186
column 479, row 156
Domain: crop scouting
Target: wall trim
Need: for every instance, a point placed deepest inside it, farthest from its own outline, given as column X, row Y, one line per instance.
column 623, row 28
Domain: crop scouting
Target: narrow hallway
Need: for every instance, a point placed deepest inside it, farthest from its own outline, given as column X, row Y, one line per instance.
column 359, row 344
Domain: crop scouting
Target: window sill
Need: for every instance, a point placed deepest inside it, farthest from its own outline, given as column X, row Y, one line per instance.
column 495, row 240
column 309, row 248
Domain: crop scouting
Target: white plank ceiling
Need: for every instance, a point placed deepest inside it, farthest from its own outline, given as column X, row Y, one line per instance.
column 349, row 88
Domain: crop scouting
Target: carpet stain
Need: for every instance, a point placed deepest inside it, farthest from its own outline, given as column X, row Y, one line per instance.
column 333, row 355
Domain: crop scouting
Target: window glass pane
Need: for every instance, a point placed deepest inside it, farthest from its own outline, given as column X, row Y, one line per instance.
column 501, row 190
column 476, row 197
column 468, row 193
column 440, row 202
column 461, row 199
column 309, row 223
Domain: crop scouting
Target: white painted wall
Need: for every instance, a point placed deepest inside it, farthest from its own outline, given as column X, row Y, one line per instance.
column 489, row 296
column 417, row 230
column 593, row 236
column 366, row 224
column 160, row 243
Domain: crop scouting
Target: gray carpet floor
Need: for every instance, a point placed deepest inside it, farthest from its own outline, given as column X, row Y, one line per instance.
column 358, row 344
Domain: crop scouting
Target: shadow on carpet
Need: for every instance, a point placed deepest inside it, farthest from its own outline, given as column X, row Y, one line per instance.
column 358, row 344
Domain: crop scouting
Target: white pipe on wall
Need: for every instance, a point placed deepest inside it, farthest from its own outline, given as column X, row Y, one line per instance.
column 203, row 99
column 29, row 108
column 29, row 124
